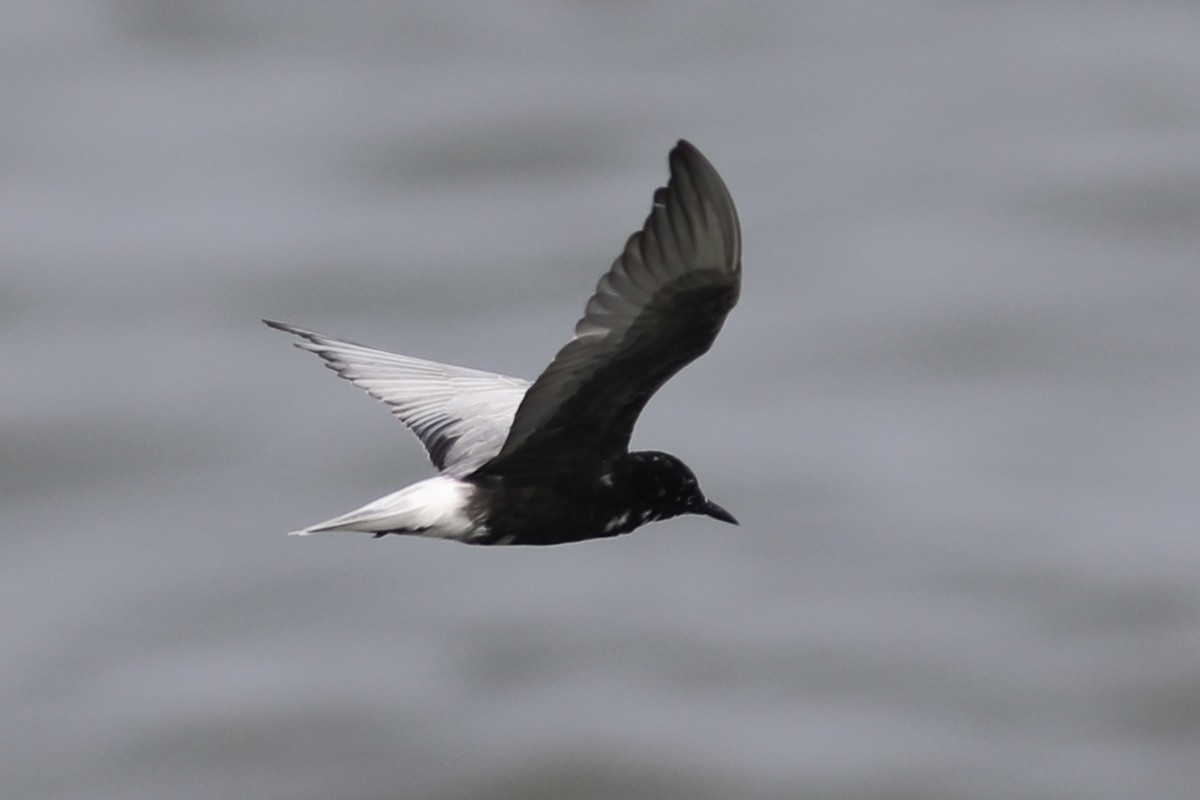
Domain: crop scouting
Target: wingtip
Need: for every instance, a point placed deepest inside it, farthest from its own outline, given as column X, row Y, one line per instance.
column 692, row 169
column 303, row 333
column 684, row 149
column 279, row 326
column 684, row 144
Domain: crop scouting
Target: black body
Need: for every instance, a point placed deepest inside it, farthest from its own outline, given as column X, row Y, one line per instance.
column 547, row 462
column 590, row 502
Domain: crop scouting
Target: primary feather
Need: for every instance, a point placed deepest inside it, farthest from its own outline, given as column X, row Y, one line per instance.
column 658, row 308
column 548, row 461
column 461, row 415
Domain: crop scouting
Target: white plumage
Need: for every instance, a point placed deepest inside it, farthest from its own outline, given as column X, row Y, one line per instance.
column 518, row 460
column 432, row 507
column 461, row 415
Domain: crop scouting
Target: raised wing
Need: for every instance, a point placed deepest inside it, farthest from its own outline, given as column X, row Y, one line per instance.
column 658, row 308
column 461, row 415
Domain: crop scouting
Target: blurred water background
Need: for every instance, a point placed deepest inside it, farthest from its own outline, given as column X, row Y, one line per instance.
column 956, row 410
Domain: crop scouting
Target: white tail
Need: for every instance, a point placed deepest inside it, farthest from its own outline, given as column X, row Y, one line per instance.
column 433, row 507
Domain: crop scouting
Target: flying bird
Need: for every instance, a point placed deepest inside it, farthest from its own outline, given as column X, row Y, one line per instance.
column 548, row 462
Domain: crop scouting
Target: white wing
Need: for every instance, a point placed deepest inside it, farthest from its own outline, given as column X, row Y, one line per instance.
column 461, row 415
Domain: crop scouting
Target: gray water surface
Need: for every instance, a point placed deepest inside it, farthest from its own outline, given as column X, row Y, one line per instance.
column 956, row 410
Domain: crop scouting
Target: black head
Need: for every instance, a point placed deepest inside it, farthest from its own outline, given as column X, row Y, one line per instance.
column 671, row 488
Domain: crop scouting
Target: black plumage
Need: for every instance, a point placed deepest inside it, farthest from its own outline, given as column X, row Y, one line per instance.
column 548, row 462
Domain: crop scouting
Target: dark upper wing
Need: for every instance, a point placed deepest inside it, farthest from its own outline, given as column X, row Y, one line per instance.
column 658, row 307
column 461, row 415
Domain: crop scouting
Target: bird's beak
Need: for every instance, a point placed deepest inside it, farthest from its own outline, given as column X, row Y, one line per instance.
column 713, row 510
